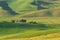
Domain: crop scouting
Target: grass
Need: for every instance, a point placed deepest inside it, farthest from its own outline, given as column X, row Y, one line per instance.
column 19, row 5
column 45, row 25
column 16, row 28
column 46, row 20
column 32, row 33
column 54, row 36
column 26, row 5
column 12, row 30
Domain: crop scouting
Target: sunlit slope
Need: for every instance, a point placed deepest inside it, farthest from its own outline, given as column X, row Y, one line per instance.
column 6, row 13
column 19, row 5
column 55, row 12
column 3, row 12
column 22, row 5
column 55, row 36
column 25, row 5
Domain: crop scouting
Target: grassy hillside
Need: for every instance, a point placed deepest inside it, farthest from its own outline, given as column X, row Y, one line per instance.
column 47, row 21
column 54, row 36
column 43, row 13
column 19, row 5
column 26, row 7
column 3, row 12
column 22, row 5
column 15, row 31
column 6, row 13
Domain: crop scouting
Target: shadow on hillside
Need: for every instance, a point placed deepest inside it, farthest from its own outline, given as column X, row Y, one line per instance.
column 7, row 28
column 23, row 25
column 40, row 3
column 6, row 7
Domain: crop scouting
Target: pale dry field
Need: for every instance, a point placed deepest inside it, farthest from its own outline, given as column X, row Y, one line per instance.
column 55, row 36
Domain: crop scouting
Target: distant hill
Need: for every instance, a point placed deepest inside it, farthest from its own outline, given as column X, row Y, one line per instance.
column 29, row 6
column 19, row 5
column 55, row 12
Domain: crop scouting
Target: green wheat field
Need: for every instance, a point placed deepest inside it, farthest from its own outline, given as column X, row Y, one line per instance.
column 29, row 19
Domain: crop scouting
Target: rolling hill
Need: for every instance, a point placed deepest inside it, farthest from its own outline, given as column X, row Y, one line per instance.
column 27, row 7
column 5, row 10
column 55, row 36
column 54, row 12
column 19, row 5
column 47, row 20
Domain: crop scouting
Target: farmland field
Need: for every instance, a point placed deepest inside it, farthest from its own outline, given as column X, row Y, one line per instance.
column 22, row 20
column 44, row 26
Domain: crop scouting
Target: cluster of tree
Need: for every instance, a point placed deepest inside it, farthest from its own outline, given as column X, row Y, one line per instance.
column 23, row 21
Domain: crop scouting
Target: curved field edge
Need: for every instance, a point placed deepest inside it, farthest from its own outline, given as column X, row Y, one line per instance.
column 31, row 33
column 53, row 36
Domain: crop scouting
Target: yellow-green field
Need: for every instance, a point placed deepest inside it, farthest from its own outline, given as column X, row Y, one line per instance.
column 47, row 25
column 45, row 28
column 55, row 36
column 46, row 20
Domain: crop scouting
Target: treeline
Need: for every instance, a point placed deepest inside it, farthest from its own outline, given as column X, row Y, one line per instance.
column 23, row 21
